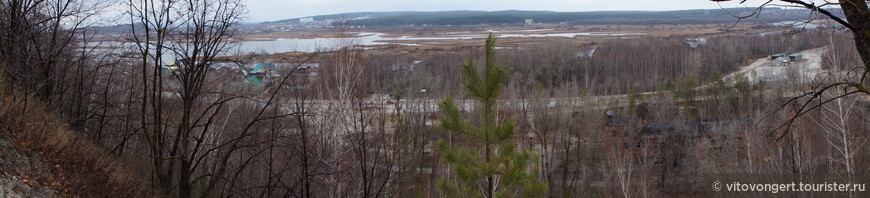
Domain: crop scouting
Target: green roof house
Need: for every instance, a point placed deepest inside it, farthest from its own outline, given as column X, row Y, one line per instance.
column 254, row 80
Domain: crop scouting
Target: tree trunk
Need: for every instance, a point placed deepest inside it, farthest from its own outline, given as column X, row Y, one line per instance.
column 858, row 16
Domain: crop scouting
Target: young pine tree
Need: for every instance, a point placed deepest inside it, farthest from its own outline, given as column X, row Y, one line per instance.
column 489, row 166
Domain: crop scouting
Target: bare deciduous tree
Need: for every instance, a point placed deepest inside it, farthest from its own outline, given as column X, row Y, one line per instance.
column 857, row 20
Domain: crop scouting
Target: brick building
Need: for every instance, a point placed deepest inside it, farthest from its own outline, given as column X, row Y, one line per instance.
column 657, row 141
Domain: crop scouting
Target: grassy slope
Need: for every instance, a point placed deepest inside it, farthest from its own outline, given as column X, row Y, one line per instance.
column 39, row 151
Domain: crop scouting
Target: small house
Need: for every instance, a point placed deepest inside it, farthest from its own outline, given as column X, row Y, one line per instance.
column 586, row 53
column 255, row 81
column 300, row 66
column 695, row 43
column 795, row 57
column 691, row 44
column 381, row 98
column 270, row 66
column 258, row 69
column 171, row 67
column 777, row 56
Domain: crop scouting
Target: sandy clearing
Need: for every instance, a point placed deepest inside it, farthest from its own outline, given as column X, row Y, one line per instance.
column 766, row 70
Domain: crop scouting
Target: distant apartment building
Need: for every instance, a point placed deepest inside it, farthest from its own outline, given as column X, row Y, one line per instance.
column 306, row 20
column 530, row 22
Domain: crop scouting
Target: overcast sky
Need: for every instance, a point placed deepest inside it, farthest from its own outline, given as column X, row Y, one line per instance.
column 270, row 10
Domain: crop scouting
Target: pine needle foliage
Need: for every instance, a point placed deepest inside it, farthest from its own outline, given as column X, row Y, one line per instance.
column 487, row 164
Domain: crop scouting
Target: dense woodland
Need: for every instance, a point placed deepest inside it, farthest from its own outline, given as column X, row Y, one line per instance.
column 517, row 122
column 616, row 67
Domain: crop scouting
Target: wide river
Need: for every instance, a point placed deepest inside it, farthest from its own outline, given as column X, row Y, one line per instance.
column 269, row 46
column 327, row 44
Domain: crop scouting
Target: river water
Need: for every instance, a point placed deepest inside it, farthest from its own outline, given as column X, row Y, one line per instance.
column 269, row 46
column 327, row 44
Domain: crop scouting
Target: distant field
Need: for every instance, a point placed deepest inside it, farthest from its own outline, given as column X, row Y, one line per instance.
column 409, row 39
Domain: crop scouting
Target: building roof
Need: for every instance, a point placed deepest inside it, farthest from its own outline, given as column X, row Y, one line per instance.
column 254, row 80
column 257, row 67
column 618, row 121
column 677, row 128
column 775, row 56
column 691, row 44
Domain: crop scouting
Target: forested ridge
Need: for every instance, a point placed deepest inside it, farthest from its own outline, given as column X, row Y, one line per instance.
column 708, row 16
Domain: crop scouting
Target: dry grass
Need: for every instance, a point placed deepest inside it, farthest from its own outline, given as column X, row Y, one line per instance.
column 79, row 167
